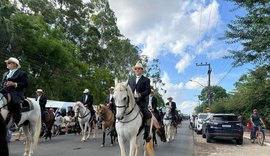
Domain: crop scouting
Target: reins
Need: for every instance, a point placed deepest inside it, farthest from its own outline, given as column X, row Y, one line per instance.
column 85, row 113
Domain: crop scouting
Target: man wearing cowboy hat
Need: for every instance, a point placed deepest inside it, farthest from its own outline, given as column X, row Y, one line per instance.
column 42, row 100
column 109, row 101
column 172, row 105
column 14, row 82
column 87, row 100
column 140, row 86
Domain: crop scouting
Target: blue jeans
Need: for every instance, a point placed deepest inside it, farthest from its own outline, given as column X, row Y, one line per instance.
column 253, row 131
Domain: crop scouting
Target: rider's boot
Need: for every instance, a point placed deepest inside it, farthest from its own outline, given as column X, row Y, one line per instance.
column 147, row 136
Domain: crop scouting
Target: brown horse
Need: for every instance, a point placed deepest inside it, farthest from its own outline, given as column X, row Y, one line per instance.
column 158, row 128
column 49, row 122
column 107, row 119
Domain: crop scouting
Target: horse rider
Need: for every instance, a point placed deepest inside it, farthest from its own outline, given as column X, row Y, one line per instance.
column 172, row 105
column 153, row 104
column 109, row 101
column 13, row 83
column 42, row 100
column 87, row 100
column 140, row 86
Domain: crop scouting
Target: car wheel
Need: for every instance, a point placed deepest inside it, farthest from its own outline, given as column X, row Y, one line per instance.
column 203, row 135
column 208, row 137
column 239, row 141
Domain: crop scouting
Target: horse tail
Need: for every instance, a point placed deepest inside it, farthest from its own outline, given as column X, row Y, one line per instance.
column 37, row 131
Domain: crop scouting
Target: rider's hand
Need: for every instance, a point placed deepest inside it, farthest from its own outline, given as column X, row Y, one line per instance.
column 10, row 84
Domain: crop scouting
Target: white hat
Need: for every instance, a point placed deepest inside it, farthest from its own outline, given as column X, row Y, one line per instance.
column 111, row 88
column 14, row 60
column 86, row 91
column 39, row 90
column 138, row 65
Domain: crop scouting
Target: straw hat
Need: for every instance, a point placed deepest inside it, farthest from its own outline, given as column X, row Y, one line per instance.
column 138, row 65
column 14, row 60
column 39, row 90
column 86, row 91
column 111, row 88
column 169, row 98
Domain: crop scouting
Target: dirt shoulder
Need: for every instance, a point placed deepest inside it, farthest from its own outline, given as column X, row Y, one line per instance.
column 227, row 148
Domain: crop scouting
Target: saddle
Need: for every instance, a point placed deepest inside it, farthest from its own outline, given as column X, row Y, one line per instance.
column 26, row 105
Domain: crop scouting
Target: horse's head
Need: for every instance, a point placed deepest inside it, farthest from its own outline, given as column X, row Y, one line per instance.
column 161, row 134
column 168, row 112
column 76, row 108
column 123, row 98
column 101, row 110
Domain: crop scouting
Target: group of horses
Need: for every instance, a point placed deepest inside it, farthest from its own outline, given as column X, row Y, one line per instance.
column 126, row 126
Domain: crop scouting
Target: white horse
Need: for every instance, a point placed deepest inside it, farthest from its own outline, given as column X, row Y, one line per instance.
column 30, row 122
column 170, row 130
column 128, row 121
column 85, row 119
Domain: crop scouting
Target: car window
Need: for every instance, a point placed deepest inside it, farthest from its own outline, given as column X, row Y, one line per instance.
column 225, row 118
column 202, row 116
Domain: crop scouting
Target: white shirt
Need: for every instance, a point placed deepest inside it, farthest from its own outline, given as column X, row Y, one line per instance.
column 38, row 98
column 150, row 102
column 86, row 97
column 111, row 95
column 11, row 72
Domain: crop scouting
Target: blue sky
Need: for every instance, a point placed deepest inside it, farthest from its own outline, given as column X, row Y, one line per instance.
column 181, row 33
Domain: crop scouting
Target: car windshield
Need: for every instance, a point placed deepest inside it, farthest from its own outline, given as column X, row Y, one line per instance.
column 202, row 116
column 225, row 118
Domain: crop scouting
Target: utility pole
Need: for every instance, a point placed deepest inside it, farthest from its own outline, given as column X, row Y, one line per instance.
column 209, row 80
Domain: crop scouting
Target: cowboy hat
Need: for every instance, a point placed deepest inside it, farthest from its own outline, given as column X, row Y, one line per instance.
column 169, row 98
column 14, row 60
column 86, row 91
column 39, row 90
column 111, row 88
column 138, row 65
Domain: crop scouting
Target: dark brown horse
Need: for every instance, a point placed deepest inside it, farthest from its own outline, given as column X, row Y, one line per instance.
column 107, row 119
column 49, row 122
column 158, row 128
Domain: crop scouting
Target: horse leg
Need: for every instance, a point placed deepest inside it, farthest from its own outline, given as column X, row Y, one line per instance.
column 28, row 140
column 121, row 142
column 134, row 146
column 83, row 132
column 112, row 134
column 137, row 146
column 149, row 148
column 89, row 129
column 103, row 135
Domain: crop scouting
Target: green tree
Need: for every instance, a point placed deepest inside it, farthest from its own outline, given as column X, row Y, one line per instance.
column 252, row 32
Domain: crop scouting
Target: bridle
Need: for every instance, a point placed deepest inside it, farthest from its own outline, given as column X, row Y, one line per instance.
column 167, row 115
column 125, row 109
column 78, row 112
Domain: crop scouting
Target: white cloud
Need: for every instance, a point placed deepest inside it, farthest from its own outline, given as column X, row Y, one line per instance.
column 173, row 90
column 217, row 54
column 184, row 63
column 169, row 26
column 187, row 107
column 198, row 83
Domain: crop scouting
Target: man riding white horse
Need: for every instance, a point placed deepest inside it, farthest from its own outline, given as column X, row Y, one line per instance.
column 13, row 84
column 172, row 105
column 87, row 100
column 140, row 86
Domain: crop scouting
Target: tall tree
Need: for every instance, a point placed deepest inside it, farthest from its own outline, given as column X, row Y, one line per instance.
column 252, row 32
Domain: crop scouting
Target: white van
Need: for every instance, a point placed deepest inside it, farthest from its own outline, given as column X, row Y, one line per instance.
column 199, row 121
column 61, row 106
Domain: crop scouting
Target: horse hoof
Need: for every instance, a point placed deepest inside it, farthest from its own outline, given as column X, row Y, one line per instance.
column 101, row 145
column 111, row 145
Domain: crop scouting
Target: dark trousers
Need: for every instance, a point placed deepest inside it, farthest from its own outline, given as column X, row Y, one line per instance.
column 146, row 113
column 15, row 110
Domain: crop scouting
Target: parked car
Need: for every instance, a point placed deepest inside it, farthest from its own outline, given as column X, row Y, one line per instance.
column 199, row 121
column 222, row 126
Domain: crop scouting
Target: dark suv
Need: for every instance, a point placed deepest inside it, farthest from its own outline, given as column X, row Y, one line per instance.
column 222, row 126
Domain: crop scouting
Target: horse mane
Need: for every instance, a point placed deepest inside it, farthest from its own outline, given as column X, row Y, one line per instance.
column 124, row 86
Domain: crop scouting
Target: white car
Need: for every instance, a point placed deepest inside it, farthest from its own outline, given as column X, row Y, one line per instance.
column 199, row 122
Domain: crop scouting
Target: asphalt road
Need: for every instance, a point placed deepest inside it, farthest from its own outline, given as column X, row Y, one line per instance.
column 70, row 145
